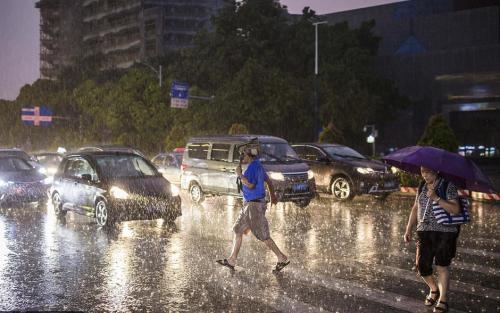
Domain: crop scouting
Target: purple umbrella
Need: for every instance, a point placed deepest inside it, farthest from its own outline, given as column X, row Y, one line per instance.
column 461, row 171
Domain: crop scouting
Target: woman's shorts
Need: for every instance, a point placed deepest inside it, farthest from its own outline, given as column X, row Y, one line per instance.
column 253, row 217
column 436, row 246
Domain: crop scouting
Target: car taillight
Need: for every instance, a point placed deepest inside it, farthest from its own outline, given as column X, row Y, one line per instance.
column 183, row 167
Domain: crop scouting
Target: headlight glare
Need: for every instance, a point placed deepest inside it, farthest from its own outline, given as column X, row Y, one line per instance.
column 3, row 183
column 364, row 170
column 310, row 174
column 174, row 190
column 276, row 176
column 48, row 180
column 118, row 193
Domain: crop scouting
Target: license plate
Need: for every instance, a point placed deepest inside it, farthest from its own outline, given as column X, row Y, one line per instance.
column 299, row 187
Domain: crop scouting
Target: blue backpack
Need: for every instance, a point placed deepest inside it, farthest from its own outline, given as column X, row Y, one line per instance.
column 441, row 215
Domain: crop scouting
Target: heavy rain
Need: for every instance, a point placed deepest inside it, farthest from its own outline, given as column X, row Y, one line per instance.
column 250, row 156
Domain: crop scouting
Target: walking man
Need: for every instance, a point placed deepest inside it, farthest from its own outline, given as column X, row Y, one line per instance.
column 253, row 214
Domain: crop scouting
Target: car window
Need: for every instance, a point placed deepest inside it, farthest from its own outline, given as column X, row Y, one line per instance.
column 342, row 152
column 198, row 150
column 236, row 155
column 159, row 160
column 311, row 154
column 277, row 152
column 220, row 152
column 299, row 150
column 124, row 166
column 170, row 161
column 75, row 168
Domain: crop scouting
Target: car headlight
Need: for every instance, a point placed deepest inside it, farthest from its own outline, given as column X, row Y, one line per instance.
column 42, row 170
column 310, row 174
column 364, row 170
column 174, row 190
column 48, row 180
column 276, row 176
column 3, row 183
column 118, row 193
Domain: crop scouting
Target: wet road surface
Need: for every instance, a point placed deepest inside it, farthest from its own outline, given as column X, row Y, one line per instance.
column 344, row 258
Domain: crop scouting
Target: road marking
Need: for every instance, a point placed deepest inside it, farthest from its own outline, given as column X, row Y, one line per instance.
column 476, row 268
column 277, row 300
column 484, row 253
column 457, row 286
column 387, row 298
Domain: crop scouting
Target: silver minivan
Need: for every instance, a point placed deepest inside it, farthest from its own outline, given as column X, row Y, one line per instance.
column 209, row 164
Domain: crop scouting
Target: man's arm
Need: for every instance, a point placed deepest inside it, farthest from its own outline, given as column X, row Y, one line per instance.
column 243, row 179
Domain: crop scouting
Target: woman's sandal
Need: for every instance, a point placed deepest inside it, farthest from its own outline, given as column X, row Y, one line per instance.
column 226, row 263
column 430, row 300
column 438, row 309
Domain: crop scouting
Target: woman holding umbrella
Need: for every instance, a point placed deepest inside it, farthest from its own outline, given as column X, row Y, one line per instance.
column 443, row 172
column 435, row 242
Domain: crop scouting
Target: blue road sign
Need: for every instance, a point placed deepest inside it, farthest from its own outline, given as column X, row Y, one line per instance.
column 179, row 95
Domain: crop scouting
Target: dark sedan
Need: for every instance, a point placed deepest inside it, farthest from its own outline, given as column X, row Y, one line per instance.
column 345, row 173
column 113, row 186
column 21, row 183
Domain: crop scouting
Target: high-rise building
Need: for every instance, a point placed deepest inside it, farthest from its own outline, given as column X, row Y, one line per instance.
column 445, row 56
column 122, row 32
column 60, row 35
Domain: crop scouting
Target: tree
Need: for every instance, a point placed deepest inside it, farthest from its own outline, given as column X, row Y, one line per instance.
column 331, row 134
column 439, row 134
column 238, row 129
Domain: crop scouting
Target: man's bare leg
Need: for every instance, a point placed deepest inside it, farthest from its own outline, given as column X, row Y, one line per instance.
column 272, row 245
column 237, row 240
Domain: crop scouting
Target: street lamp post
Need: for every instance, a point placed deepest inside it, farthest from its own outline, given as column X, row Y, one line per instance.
column 158, row 72
column 316, row 110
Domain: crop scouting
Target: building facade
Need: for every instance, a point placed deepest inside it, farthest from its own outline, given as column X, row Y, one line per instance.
column 121, row 31
column 445, row 56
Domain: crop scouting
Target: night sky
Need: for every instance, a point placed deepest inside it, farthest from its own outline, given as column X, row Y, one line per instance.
column 19, row 35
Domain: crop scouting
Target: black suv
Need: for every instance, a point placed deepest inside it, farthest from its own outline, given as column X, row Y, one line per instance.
column 344, row 172
column 113, row 186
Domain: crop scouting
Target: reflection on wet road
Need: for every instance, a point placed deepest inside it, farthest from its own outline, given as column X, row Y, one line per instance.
column 345, row 258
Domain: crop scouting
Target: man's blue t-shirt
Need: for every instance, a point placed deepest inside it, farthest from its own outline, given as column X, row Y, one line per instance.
column 256, row 175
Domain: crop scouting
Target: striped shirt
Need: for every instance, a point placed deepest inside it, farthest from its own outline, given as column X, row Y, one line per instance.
column 428, row 222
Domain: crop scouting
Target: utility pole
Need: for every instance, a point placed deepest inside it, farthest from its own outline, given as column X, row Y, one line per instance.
column 373, row 133
column 316, row 109
column 157, row 72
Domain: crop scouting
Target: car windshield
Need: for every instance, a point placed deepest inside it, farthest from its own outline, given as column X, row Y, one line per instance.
column 14, row 165
column 277, row 152
column 337, row 152
column 16, row 153
column 124, row 166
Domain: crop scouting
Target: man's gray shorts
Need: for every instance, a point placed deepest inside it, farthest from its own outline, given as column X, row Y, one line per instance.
column 253, row 216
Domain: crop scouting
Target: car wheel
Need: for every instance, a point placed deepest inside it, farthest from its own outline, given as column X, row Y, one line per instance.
column 302, row 203
column 195, row 193
column 57, row 204
column 102, row 215
column 341, row 189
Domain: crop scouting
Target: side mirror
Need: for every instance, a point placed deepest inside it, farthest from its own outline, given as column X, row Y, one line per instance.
column 87, row 177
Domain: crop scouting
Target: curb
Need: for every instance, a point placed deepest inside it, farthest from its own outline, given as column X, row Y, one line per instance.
column 495, row 197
